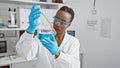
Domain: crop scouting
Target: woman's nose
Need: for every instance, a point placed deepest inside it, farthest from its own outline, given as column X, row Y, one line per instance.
column 58, row 23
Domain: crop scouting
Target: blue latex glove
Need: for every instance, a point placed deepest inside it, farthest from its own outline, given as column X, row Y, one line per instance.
column 33, row 19
column 48, row 41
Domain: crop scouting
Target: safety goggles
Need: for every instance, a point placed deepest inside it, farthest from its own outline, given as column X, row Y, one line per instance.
column 57, row 20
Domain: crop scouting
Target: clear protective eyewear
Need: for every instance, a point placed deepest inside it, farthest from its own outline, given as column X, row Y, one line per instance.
column 57, row 20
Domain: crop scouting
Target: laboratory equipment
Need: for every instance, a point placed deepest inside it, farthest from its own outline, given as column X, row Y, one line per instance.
column 8, row 40
column 45, row 26
column 12, row 14
column 47, row 40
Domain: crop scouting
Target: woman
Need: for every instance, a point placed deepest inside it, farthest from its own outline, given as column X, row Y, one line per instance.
column 58, row 50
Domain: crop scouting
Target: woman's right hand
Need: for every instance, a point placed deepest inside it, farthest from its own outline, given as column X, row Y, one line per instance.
column 33, row 19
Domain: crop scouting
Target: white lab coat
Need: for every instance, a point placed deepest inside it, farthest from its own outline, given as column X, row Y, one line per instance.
column 30, row 47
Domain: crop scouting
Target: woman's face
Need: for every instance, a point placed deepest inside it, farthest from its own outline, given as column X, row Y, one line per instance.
column 65, row 18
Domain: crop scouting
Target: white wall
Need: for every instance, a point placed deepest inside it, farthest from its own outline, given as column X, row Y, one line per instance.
column 98, row 51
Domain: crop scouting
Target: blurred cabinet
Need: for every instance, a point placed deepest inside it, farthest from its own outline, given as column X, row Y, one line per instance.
column 27, row 64
column 17, row 62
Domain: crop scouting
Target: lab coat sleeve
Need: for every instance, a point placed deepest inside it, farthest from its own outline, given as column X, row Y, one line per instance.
column 70, row 59
column 27, row 47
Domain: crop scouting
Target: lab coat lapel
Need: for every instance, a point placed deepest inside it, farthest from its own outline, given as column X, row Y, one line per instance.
column 64, row 42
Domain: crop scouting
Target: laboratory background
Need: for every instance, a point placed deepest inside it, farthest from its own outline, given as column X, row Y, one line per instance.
column 96, row 25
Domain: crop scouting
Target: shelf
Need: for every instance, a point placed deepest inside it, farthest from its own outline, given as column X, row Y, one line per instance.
column 28, row 2
column 11, row 29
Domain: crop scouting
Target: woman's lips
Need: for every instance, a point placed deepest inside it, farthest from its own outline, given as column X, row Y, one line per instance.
column 57, row 29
